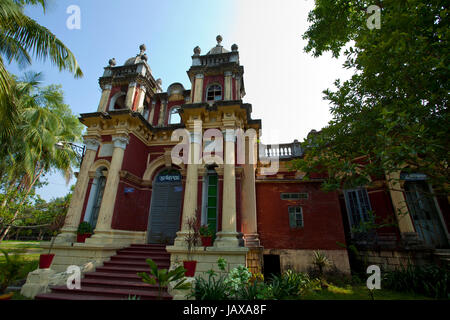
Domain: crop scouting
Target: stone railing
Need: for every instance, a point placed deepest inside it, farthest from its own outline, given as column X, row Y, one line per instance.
column 284, row 151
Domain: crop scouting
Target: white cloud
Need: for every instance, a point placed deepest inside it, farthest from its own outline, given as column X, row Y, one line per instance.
column 283, row 83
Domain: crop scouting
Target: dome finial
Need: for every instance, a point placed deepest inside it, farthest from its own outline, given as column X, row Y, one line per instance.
column 112, row 62
column 142, row 48
column 219, row 39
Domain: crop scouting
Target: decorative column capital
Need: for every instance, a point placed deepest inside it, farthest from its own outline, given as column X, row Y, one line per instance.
column 121, row 142
column 107, row 87
column 228, row 73
column 132, row 84
column 199, row 76
column 91, row 144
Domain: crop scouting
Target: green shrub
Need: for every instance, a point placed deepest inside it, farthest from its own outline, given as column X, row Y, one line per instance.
column 430, row 280
column 212, row 288
column 10, row 270
column 289, row 284
column 84, row 228
column 162, row 277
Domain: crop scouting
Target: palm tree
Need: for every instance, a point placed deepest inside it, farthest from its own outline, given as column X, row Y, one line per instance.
column 20, row 38
column 32, row 151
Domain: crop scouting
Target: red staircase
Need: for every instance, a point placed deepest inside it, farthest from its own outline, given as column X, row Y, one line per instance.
column 117, row 278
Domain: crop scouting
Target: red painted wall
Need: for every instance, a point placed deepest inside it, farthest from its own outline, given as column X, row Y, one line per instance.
column 135, row 158
column 381, row 204
column 322, row 217
column 131, row 209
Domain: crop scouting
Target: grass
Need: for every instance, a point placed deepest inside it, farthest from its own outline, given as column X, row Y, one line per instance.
column 29, row 254
column 25, row 246
column 359, row 293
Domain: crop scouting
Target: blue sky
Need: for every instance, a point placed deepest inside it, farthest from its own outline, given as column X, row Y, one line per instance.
column 283, row 83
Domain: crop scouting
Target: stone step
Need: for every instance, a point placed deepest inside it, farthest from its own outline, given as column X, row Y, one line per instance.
column 117, row 279
column 107, row 283
column 142, row 253
column 113, row 292
column 65, row 296
column 131, row 263
column 114, row 276
column 137, row 245
column 140, row 258
column 124, row 270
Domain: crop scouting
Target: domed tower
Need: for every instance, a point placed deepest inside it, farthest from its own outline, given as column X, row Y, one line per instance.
column 216, row 76
column 130, row 86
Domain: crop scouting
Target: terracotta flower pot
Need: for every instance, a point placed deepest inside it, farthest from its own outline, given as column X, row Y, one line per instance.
column 207, row 241
column 190, row 268
column 82, row 237
column 45, row 260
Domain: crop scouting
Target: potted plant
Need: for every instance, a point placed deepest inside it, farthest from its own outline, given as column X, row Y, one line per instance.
column 191, row 240
column 84, row 231
column 206, row 235
column 45, row 260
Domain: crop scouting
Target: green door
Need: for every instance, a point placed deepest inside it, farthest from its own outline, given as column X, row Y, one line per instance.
column 212, row 201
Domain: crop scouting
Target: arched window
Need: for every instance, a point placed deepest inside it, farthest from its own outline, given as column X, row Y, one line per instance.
column 214, row 93
column 174, row 116
column 118, row 101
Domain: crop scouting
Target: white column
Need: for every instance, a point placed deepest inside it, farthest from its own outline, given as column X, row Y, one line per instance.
column 228, row 236
column 130, row 95
column 191, row 187
column 104, row 99
column 248, row 197
column 112, row 184
column 140, row 105
column 73, row 217
column 152, row 113
column 198, row 94
column 228, row 86
column 161, row 112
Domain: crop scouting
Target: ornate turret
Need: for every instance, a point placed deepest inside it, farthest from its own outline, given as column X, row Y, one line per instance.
column 130, row 86
column 220, row 70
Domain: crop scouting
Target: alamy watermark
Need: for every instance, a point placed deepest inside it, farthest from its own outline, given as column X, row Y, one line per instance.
column 374, row 20
column 73, row 22
column 374, row 280
column 241, row 147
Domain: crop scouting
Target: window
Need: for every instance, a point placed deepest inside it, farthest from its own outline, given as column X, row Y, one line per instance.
column 174, row 116
column 214, row 93
column 294, row 196
column 358, row 206
column 295, row 217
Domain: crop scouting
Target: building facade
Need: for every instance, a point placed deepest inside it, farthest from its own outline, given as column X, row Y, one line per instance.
column 154, row 160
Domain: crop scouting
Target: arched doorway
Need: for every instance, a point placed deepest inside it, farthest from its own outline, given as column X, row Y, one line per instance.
column 165, row 207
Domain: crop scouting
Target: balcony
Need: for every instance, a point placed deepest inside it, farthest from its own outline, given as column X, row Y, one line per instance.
column 286, row 151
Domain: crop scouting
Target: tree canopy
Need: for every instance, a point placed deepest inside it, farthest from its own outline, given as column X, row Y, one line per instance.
column 393, row 112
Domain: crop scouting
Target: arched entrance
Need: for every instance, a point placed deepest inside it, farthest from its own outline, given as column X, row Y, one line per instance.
column 165, row 208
